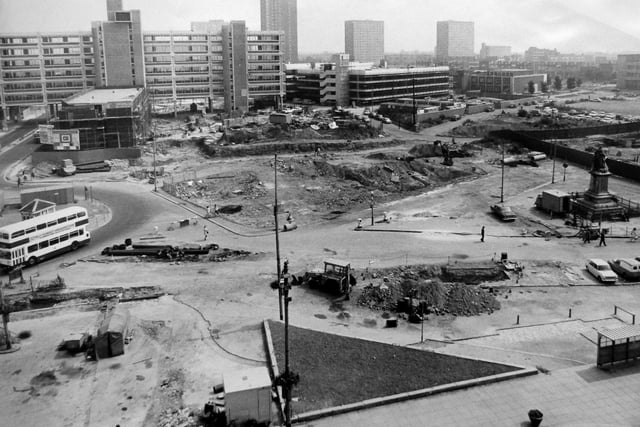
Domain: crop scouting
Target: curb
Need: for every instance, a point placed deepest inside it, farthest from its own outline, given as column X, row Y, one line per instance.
column 273, row 364
column 372, row 403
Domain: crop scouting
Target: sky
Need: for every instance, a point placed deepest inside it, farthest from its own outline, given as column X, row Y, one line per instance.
column 410, row 25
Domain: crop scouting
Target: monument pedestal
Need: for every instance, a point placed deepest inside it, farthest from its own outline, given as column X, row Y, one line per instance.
column 597, row 203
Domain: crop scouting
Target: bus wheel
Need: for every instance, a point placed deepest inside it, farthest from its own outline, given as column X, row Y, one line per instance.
column 32, row 261
column 74, row 246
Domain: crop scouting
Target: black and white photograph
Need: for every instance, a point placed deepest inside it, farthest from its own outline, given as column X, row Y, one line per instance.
column 356, row 213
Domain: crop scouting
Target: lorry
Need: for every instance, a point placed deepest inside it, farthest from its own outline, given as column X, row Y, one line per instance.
column 244, row 398
column 554, row 201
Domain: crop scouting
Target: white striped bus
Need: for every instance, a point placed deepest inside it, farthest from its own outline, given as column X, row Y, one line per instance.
column 36, row 239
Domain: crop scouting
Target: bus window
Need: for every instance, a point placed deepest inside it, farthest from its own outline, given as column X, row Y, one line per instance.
column 54, row 241
column 74, row 233
column 71, row 217
column 32, row 248
column 80, row 232
column 64, row 238
column 4, row 236
column 41, row 226
column 43, row 245
column 31, row 230
column 17, row 234
column 81, row 214
column 5, row 254
column 52, row 223
column 61, row 220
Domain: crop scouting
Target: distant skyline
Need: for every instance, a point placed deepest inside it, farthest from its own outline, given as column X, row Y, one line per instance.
column 571, row 26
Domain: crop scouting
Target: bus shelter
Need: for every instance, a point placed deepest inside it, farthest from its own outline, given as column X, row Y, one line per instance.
column 618, row 345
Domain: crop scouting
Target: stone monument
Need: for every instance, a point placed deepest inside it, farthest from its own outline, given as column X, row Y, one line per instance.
column 597, row 202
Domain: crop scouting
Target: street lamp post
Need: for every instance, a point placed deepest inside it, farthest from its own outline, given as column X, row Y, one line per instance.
column 502, row 181
column 371, row 206
column 553, row 171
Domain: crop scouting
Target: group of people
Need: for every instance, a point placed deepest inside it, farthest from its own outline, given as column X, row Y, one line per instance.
column 586, row 236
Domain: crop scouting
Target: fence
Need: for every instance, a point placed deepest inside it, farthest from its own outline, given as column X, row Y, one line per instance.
column 583, row 158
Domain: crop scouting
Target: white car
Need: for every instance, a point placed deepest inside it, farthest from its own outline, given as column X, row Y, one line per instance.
column 601, row 270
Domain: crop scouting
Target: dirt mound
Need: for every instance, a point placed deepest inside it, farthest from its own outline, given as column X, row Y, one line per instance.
column 420, row 288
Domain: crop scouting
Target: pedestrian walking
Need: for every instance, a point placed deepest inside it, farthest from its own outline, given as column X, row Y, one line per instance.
column 19, row 181
column 208, row 211
column 206, row 232
column 482, row 234
column 602, row 242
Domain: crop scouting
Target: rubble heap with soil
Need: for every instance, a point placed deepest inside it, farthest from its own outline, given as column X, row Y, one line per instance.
column 422, row 286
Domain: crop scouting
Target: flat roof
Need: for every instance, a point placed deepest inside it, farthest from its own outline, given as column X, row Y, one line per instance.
column 104, row 96
column 408, row 71
column 624, row 332
column 246, row 379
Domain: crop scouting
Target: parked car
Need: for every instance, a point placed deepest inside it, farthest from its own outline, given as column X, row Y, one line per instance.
column 627, row 268
column 387, row 120
column 503, row 212
column 601, row 270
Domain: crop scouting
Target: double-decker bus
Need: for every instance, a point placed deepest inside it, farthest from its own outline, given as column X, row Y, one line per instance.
column 36, row 239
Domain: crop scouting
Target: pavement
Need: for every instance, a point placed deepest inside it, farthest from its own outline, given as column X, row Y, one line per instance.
column 580, row 396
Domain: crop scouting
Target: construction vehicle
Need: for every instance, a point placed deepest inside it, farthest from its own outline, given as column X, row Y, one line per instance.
column 66, row 168
column 336, row 278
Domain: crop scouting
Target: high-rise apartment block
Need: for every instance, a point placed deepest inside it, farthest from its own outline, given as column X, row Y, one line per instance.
column 364, row 40
column 628, row 71
column 117, row 47
column 455, row 39
column 216, row 63
column 282, row 15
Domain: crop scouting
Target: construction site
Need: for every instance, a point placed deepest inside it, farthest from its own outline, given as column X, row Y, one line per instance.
column 379, row 245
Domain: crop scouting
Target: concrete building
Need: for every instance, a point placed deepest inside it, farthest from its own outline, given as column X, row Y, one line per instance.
column 628, row 72
column 191, row 66
column 534, row 54
column 43, row 69
column 103, row 118
column 118, row 49
column 343, row 83
column 494, row 52
column 364, row 40
column 455, row 39
column 503, row 82
column 282, row 15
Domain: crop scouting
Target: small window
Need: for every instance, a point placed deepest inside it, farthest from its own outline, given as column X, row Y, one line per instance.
column 41, row 226
column 43, row 245
column 31, row 230
column 80, row 232
column 64, row 238
column 70, row 217
column 54, row 241
column 74, row 233
column 32, row 248
column 17, row 234
column 61, row 220
column 52, row 223
column 80, row 214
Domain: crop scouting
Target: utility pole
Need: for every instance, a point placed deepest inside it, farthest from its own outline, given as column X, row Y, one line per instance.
column 553, row 172
column 371, row 206
column 502, row 182
column 284, row 285
column 275, row 214
column 5, row 320
column 155, row 175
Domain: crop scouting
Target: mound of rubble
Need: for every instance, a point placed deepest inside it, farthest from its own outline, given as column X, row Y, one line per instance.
column 421, row 289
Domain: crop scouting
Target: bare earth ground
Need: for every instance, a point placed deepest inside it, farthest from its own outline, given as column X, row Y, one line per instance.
column 210, row 321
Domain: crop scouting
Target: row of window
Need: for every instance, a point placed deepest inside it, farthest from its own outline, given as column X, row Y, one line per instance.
column 45, row 244
column 43, row 225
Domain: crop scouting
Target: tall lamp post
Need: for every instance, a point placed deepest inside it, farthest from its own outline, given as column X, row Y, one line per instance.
column 502, row 181
column 371, row 206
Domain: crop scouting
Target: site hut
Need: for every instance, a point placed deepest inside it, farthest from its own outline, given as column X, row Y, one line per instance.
column 109, row 341
column 247, row 395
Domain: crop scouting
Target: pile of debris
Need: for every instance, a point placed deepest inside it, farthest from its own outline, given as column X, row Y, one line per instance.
column 419, row 289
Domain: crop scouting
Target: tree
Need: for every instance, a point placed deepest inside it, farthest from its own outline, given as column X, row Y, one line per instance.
column 579, row 82
column 557, row 83
column 571, row 82
column 544, row 87
column 532, row 86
